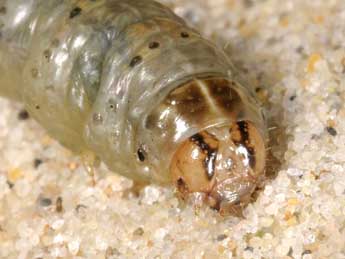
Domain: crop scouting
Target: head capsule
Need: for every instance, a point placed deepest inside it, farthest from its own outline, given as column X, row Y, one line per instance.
column 220, row 165
column 211, row 136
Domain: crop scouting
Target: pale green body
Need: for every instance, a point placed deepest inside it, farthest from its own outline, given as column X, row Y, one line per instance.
column 91, row 72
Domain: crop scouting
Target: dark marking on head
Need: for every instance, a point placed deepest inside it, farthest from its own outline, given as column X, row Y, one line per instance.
column 154, row 45
column 141, row 154
column 75, row 12
column 199, row 140
column 184, row 34
column 243, row 128
column 245, row 141
column 135, row 61
column 37, row 107
column 211, row 154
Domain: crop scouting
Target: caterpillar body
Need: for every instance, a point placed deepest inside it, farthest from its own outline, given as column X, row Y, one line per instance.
column 129, row 81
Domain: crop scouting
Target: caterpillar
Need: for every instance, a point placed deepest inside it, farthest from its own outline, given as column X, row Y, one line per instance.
column 130, row 82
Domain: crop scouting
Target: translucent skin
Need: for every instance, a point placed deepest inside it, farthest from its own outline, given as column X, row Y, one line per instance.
column 117, row 78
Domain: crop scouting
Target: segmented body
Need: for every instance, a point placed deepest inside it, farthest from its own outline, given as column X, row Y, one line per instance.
column 111, row 76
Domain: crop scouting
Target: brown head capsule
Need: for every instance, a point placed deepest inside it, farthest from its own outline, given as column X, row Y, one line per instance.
column 222, row 164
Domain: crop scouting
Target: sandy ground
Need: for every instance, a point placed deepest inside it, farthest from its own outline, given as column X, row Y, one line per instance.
column 292, row 52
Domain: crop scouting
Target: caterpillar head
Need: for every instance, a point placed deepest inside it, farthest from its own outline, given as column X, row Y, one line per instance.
column 220, row 165
column 211, row 133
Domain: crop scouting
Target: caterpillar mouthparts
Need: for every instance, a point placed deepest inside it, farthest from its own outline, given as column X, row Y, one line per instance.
column 222, row 166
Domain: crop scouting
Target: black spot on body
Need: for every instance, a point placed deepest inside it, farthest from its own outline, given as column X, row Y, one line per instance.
column 37, row 107
column 47, row 54
column 135, row 61
column 211, row 154
column 141, row 155
column 112, row 104
column 75, row 12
